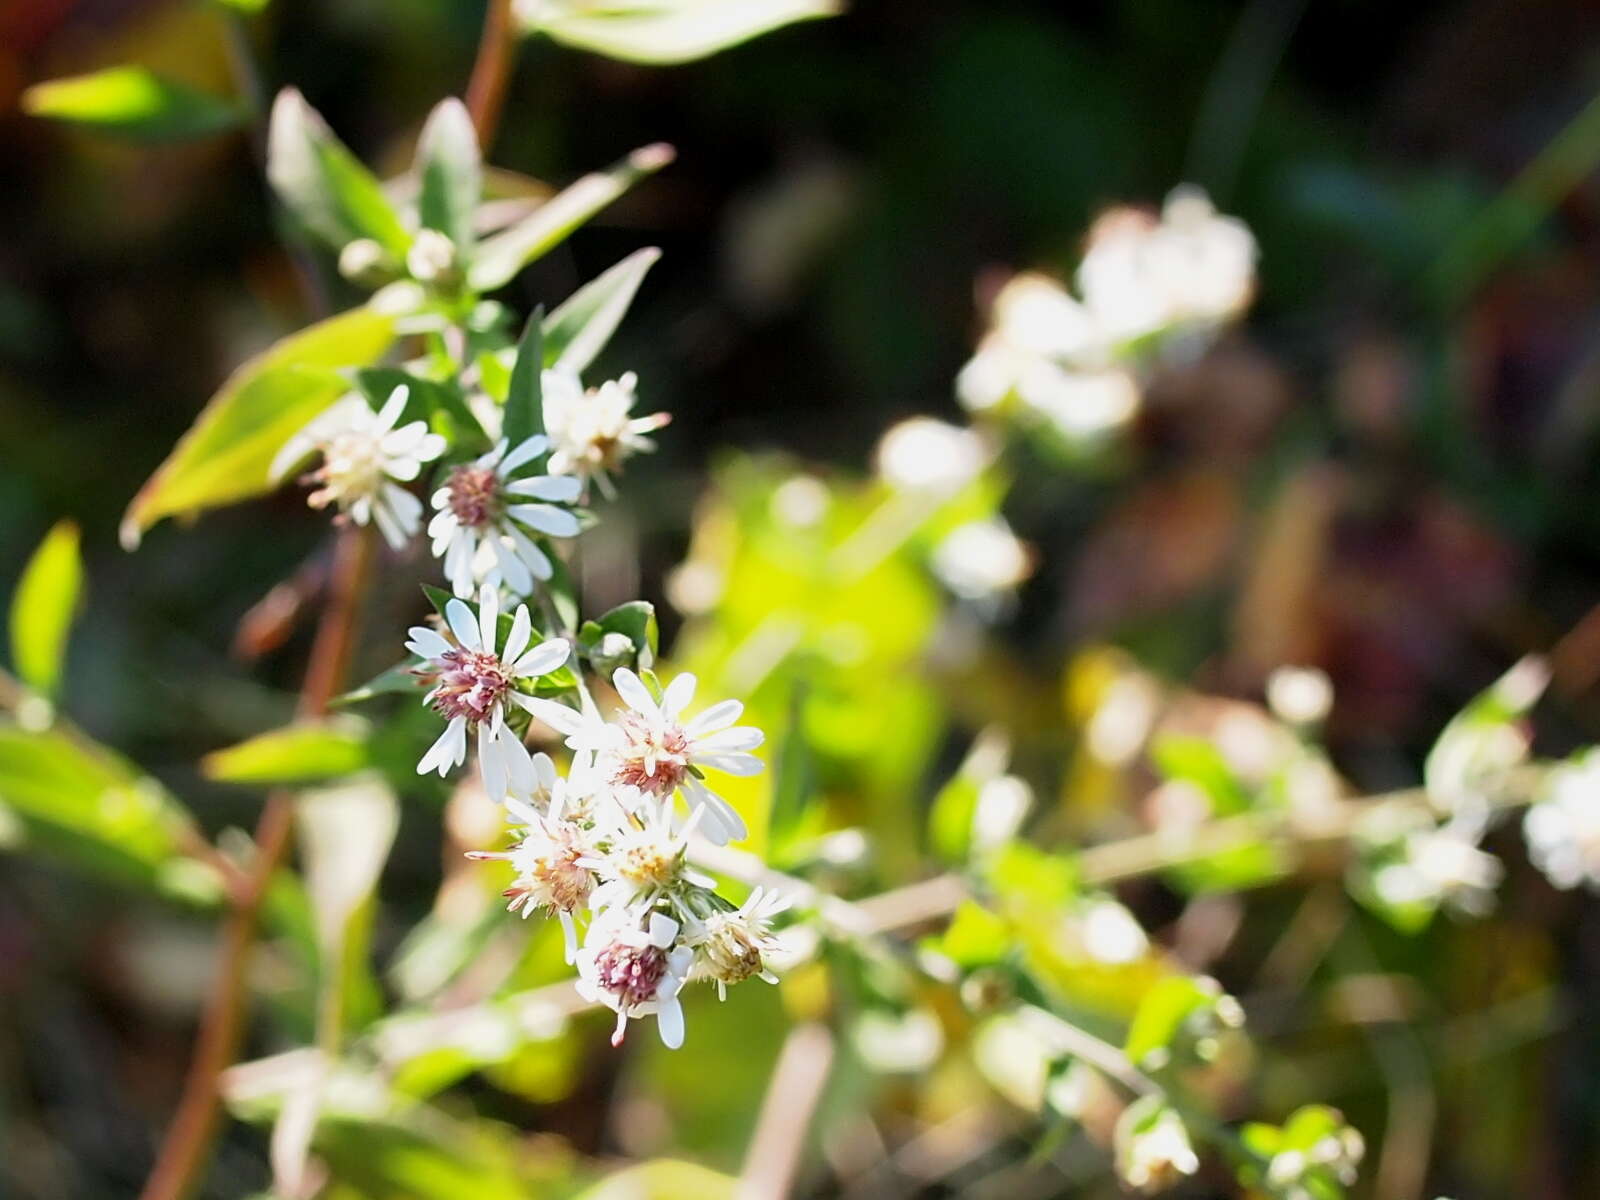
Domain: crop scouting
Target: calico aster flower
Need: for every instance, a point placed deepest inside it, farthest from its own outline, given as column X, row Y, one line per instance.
column 481, row 528
column 649, row 746
column 636, row 971
column 593, row 432
column 732, row 946
column 644, row 859
column 474, row 683
column 365, row 459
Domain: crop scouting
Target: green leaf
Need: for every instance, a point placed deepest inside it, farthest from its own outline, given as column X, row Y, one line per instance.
column 668, row 31
column 300, row 753
column 950, row 819
column 582, row 324
column 1195, row 760
column 525, row 398
column 323, row 184
column 132, row 102
column 975, row 937
column 503, row 255
column 396, row 679
column 227, row 454
column 663, row 1179
column 794, row 771
column 636, row 621
column 81, row 803
column 42, row 609
column 450, row 172
column 1161, row 1016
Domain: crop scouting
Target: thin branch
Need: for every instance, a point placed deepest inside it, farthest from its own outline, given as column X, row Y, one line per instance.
column 772, row 1160
column 186, row 1148
column 491, row 73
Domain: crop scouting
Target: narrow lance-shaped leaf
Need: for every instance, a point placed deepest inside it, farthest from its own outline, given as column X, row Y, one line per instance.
column 43, row 607
column 500, row 257
column 450, row 172
column 580, row 327
column 323, row 184
column 132, row 102
column 301, row 753
column 227, row 454
column 670, row 31
column 525, row 398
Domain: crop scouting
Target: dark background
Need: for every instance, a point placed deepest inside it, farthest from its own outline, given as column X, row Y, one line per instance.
column 843, row 190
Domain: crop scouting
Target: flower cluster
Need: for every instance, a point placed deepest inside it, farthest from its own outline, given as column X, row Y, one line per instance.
column 1067, row 360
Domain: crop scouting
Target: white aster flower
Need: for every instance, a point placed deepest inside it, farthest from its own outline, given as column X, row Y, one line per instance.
column 552, row 860
column 364, row 461
column 593, row 432
column 1441, row 866
column 1154, row 1150
column 636, row 971
column 733, row 946
column 644, row 859
column 1563, row 827
column 650, row 747
column 922, row 454
column 473, row 685
column 981, row 559
column 484, row 515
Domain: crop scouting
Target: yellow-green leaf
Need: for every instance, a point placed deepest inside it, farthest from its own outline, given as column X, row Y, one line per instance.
column 500, row 257
column 583, row 323
column 43, row 607
column 227, row 454
column 301, row 753
column 668, row 31
column 132, row 102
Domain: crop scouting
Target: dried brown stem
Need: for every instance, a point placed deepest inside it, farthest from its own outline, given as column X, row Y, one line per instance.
column 491, row 73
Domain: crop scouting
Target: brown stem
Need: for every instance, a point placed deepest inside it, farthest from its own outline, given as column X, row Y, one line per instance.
column 491, row 73
column 187, row 1144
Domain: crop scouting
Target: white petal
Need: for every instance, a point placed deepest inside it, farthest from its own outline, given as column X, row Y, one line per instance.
column 530, row 554
column 632, row 690
column 520, row 777
column 517, row 639
column 393, row 407
column 489, row 617
column 546, row 518
column 718, row 716
column 669, row 1020
column 463, row 624
column 558, row 716
column 564, row 488
column 491, row 764
column 447, row 751
column 740, row 737
column 426, row 643
column 518, row 577
column 543, row 658
column 525, row 452
column 677, row 696
column 733, row 764
column 662, row 930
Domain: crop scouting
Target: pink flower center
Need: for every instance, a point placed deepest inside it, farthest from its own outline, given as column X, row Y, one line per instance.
column 469, row 683
column 653, row 758
column 474, row 495
column 631, row 973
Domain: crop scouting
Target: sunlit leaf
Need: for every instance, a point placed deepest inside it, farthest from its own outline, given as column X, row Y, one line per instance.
column 975, row 937
column 581, row 325
column 323, row 184
column 83, row 804
column 301, row 753
column 1161, row 1016
column 668, row 31
column 43, row 607
column 132, row 102
column 525, row 396
column 635, row 621
column 663, row 1179
column 450, row 172
column 500, row 257
column 227, row 454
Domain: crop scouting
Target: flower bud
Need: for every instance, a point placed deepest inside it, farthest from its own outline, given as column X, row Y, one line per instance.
column 365, row 262
column 432, row 259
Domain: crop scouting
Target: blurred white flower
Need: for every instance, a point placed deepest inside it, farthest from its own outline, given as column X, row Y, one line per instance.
column 1440, row 867
column 1563, row 826
column 922, row 454
column 1110, row 933
column 650, row 747
column 1153, row 1147
column 432, row 258
column 474, row 683
column 484, row 515
column 365, row 458
column 593, row 431
column 1299, row 695
column 1081, row 406
column 981, row 559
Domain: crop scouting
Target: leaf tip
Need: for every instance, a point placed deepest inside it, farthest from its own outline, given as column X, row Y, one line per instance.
column 652, row 157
